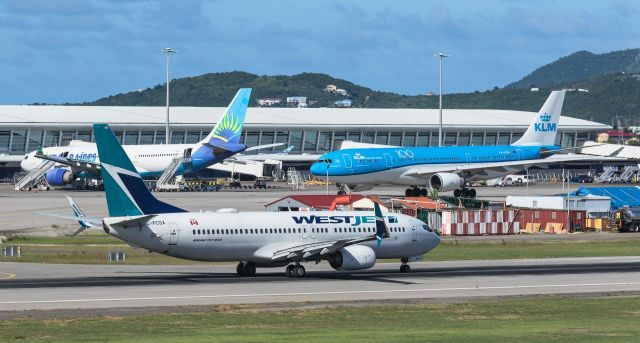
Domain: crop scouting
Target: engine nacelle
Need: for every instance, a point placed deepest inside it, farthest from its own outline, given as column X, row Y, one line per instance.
column 353, row 257
column 59, row 177
column 444, row 182
column 359, row 188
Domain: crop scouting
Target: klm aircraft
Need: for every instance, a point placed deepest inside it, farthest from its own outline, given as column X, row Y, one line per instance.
column 446, row 168
column 83, row 160
column 347, row 240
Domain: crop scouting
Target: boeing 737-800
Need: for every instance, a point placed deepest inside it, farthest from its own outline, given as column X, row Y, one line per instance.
column 83, row 159
column 447, row 168
column 347, row 240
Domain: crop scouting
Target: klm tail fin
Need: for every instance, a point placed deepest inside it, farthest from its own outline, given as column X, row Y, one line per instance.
column 382, row 231
column 229, row 127
column 544, row 127
column 126, row 193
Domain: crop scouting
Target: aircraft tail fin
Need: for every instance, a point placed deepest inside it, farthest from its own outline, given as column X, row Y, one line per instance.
column 229, row 126
column 382, row 231
column 544, row 127
column 126, row 192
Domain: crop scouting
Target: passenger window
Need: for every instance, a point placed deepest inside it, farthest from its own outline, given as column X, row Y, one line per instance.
column 194, row 232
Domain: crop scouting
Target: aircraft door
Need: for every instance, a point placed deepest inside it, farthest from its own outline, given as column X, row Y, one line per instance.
column 520, row 154
column 314, row 233
column 347, row 160
column 414, row 234
column 305, row 232
column 468, row 157
column 187, row 153
column 174, row 232
column 387, row 159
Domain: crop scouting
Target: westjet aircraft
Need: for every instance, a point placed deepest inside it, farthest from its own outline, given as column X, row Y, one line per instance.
column 82, row 160
column 347, row 240
column 447, row 168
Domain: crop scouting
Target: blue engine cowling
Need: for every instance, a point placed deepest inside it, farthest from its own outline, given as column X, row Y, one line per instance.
column 59, row 177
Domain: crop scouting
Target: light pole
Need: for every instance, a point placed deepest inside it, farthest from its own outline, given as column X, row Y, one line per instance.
column 440, row 55
column 168, row 52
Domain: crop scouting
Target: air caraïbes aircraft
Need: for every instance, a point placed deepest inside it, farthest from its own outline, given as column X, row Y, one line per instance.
column 447, row 168
column 152, row 160
column 347, row 240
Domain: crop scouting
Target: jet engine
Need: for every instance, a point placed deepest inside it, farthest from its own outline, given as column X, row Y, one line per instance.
column 59, row 177
column 443, row 182
column 352, row 257
column 359, row 188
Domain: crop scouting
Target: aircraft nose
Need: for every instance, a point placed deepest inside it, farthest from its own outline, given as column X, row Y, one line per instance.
column 319, row 168
column 24, row 164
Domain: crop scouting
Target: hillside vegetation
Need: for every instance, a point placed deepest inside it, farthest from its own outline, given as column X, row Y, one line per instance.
column 613, row 90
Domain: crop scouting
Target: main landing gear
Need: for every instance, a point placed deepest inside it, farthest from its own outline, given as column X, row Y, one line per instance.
column 246, row 269
column 464, row 193
column 405, row 268
column 295, row 270
column 416, row 192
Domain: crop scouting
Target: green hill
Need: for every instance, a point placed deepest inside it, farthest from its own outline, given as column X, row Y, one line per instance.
column 581, row 65
column 613, row 90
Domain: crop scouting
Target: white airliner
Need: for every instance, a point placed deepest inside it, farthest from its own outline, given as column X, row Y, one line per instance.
column 81, row 159
column 347, row 240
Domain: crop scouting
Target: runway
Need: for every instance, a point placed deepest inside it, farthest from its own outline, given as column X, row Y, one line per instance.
column 42, row 286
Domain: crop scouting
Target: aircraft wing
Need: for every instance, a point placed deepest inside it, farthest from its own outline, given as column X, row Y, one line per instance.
column 506, row 166
column 94, row 221
column 317, row 249
column 76, row 165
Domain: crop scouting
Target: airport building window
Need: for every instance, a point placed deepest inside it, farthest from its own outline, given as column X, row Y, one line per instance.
column 409, row 139
column 310, row 141
column 324, row 141
column 84, row 136
column 338, row 138
column 159, row 138
column 177, row 137
column 490, row 139
column 283, row 137
column 35, row 139
column 67, row 137
column 504, row 138
column 515, row 137
column 382, row 137
column 131, row 137
column 192, row 137
column 5, row 138
column 477, row 139
column 423, row 138
column 450, row 138
column 296, row 140
column 464, row 138
column 18, row 141
column 354, row 136
column 395, row 138
column 266, row 137
column 146, row 137
column 51, row 138
column 368, row 137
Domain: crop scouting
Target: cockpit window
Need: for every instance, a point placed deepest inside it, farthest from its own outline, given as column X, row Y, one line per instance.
column 26, row 157
column 426, row 227
column 328, row 160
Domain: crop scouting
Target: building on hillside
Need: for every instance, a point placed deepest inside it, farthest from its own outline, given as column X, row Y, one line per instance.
column 296, row 100
column 343, row 103
column 268, row 101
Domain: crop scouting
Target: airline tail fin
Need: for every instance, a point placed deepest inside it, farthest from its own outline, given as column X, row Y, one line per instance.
column 382, row 231
column 126, row 192
column 229, row 126
column 78, row 213
column 544, row 127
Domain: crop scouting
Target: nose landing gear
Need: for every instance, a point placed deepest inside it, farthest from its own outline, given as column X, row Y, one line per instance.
column 246, row 269
column 405, row 268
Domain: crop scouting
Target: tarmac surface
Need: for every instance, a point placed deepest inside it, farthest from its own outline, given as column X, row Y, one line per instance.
column 57, row 287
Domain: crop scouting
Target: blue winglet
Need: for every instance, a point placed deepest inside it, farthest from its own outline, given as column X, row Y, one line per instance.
column 382, row 231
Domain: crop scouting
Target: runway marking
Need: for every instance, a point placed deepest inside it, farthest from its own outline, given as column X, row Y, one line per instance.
column 255, row 295
column 6, row 276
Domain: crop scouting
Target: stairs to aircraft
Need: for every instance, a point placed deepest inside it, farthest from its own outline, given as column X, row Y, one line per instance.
column 607, row 174
column 34, row 176
column 166, row 181
column 628, row 173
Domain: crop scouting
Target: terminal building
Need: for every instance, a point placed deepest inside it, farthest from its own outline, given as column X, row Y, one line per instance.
column 309, row 130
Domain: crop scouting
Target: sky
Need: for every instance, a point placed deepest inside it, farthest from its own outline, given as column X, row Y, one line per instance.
column 74, row 51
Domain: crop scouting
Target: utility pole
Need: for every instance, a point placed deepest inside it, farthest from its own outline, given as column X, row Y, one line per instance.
column 441, row 55
column 168, row 52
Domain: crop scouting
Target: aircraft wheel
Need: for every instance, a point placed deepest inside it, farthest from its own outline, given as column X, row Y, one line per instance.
column 249, row 269
column 405, row 268
column 424, row 192
column 636, row 227
column 289, row 270
column 457, row 193
column 472, row 193
column 299, row 271
column 240, row 269
column 408, row 192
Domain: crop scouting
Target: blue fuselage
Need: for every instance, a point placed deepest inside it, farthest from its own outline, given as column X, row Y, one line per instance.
column 383, row 165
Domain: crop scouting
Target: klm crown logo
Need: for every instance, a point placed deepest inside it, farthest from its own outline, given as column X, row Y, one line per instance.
column 545, row 125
